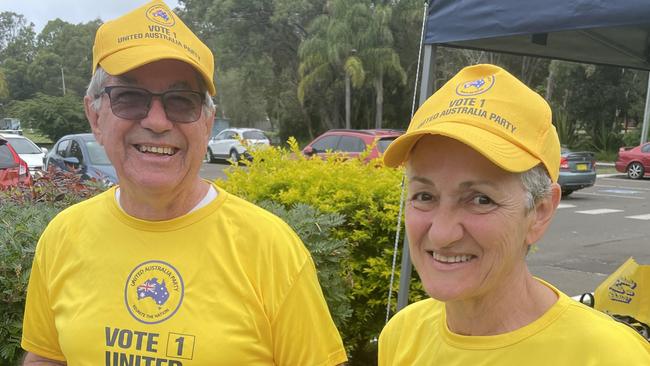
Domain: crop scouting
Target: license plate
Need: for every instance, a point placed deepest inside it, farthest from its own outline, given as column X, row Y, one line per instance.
column 582, row 167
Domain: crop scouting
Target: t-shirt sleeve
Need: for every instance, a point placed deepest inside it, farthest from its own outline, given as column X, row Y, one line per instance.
column 39, row 331
column 303, row 330
column 387, row 338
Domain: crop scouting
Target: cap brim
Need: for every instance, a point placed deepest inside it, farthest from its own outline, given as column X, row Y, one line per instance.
column 501, row 152
column 131, row 58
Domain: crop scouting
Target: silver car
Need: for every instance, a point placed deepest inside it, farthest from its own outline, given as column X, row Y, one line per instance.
column 234, row 143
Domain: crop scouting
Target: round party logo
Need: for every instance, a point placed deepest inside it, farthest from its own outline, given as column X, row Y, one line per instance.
column 153, row 292
column 474, row 87
column 159, row 14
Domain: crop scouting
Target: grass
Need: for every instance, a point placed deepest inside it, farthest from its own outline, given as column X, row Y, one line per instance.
column 36, row 136
column 606, row 170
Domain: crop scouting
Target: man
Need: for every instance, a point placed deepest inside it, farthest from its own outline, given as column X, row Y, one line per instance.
column 482, row 161
column 168, row 269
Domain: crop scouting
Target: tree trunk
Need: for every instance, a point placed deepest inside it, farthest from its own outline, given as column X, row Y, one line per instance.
column 550, row 82
column 347, row 101
column 379, row 88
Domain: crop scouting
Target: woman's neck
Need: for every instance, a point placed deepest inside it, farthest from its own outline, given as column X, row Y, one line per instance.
column 507, row 308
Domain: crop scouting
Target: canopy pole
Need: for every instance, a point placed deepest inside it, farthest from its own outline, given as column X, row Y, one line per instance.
column 646, row 114
column 427, row 86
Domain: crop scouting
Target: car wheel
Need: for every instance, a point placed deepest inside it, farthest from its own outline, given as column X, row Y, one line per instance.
column 209, row 157
column 234, row 156
column 566, row 192
column 635, row 171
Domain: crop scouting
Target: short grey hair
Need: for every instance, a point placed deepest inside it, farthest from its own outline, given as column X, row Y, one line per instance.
column 537, row 184
column 100, row 77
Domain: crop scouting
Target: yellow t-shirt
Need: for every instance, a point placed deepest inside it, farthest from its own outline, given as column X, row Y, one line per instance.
column 228, row 284
column 568, row 334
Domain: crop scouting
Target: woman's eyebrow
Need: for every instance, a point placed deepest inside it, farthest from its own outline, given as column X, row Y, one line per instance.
column 473, row 183
column 422, row 180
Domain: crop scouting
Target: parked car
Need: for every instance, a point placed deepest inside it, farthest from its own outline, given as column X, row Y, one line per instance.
column 33, row 155
column 82, row 154
column 351, row 143
column 13, row 169
column 577, row 170
column 234, row 143
column 635, row 161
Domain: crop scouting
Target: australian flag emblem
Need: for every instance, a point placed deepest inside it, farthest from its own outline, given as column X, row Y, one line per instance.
column 161, row 13
column 476, row 83
column 151, row 288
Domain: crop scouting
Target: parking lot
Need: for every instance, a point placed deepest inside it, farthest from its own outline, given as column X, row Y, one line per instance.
column 594, row 231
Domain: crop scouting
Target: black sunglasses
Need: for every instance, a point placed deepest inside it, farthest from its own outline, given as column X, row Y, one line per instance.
column 182, row 106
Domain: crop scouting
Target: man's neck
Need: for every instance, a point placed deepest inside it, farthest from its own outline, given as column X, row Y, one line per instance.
column 503, row 310
column 160, row 207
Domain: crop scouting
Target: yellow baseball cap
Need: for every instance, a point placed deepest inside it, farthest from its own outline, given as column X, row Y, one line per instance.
column 488, row 109
column 150, row 33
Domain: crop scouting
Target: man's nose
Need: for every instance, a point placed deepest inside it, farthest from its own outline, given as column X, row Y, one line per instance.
column 156, row 120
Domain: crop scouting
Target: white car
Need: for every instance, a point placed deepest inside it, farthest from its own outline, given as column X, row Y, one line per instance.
column 27, row 150
column 232, row 143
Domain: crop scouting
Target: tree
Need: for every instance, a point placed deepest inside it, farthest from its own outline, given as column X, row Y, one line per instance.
column 379, row 56
column 55, row 116
column 332, row 50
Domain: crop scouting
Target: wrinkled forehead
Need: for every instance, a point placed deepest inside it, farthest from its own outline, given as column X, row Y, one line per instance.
column 184, row 76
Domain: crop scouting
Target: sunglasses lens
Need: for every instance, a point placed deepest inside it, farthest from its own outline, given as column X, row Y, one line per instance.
column 182, row 106
column 129, row 103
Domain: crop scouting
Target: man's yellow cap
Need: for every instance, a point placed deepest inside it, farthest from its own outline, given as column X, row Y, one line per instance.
column 147, row 34
column 488, row 109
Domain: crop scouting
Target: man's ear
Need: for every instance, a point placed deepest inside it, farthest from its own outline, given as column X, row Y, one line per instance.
column 93, row 119
column 542, row 214
column 209, row 124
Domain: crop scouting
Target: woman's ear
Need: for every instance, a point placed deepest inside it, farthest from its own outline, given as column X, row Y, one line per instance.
column 543, row 213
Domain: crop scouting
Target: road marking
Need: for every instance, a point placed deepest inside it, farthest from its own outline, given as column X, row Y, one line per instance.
column 565, row 205
column 639, row 217
column 619, row 191
column 608, row 195
column 599, row 211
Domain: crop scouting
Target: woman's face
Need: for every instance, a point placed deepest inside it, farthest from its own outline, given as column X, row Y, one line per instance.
column 466, row 220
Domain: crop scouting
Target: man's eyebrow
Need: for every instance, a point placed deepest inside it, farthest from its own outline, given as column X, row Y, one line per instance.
column 180, row 85
column 130, row 81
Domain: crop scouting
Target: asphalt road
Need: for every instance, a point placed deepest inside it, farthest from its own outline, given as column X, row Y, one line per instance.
column 594, row 231
column 212, row 171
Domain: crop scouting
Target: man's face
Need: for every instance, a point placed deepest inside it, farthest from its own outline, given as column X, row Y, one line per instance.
column 466, row 221
column 153, row 153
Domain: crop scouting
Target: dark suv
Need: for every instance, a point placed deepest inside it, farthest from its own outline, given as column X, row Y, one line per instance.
column 13, row 169
column 351, row 143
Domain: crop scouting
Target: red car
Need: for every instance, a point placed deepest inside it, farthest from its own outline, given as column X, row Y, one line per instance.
column 13, row 170
column 635, row 161
column 351, row 143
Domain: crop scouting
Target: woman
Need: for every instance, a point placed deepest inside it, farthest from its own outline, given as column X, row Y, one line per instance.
column 482, row 161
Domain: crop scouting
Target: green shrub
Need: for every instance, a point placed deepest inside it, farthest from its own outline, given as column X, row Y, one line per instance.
column 367, row 195
column 315, row 230
column 24, row 213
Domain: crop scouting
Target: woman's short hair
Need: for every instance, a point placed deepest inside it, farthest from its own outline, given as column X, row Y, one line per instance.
column 537, row 184
column 100, row 77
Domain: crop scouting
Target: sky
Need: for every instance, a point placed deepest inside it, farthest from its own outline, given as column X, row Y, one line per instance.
column 40, row 12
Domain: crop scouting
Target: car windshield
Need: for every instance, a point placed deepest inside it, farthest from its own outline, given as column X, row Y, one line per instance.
column 97, row 154
column 254, row 135
column 382, row 144
column 23, row 146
